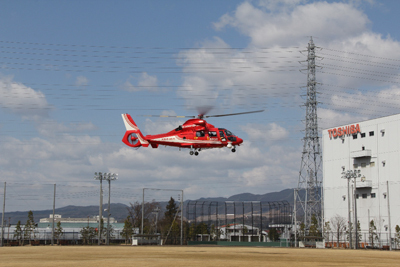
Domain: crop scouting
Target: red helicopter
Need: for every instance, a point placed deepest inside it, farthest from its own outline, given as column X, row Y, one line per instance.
column 195, row 134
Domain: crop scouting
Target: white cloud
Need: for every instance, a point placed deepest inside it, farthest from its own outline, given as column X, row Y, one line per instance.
column 229, row 77
column 22, row 100
column 280, row 5
column 51, row 128
column 266, row 134
column 145, row 82
column 159, row 126
column 327, row 21
column 329, row 118
column 81, row 81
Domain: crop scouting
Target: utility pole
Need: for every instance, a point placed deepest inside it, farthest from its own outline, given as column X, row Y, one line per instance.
column 310, row 170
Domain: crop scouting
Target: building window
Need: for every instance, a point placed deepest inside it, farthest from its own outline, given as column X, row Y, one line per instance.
column 363, row 165
column 371, row 133
column 355, row 166
column 362, row 135
column 354, row 136
column 372, row 164
column 356, row 196
column 364, row 195
column 373, row 195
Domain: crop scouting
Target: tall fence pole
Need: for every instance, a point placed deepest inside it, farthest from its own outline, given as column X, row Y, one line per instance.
column 142, row 210
column 54, row 208
column 2, row 216
column 390, row 224
column 182, row 219
column 295, row 217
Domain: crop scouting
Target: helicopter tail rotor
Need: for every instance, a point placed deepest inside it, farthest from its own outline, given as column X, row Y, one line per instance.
column 133, row 136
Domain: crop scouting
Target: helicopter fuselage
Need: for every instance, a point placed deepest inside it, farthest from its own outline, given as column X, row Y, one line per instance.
column 195, row 134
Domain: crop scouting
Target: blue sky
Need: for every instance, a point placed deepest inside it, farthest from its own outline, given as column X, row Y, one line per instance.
column 68, row 69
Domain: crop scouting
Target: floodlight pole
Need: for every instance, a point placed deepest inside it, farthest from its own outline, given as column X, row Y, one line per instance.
column 99, row 176
column 346, row 175
column 109, row 177
column 355, row 204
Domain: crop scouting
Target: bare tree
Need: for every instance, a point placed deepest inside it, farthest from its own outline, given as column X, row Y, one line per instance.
column 135, row 214
column 327, row 231
column 338, row 226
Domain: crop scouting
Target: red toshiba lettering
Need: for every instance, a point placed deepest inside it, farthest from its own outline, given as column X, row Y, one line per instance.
column 358, row 128
column 346, row 130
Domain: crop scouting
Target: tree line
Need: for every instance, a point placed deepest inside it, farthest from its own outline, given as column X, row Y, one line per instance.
column 24, row 234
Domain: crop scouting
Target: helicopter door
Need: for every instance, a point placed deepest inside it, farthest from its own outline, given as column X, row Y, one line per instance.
column 222, row 136
column 200, row 135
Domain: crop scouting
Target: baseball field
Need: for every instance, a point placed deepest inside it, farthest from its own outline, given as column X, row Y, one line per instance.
column 191, row 256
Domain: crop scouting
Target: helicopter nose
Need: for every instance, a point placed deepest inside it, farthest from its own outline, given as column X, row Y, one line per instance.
column 239, row 141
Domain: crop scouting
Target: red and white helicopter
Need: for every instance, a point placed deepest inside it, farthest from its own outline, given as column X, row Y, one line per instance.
column 195, row 134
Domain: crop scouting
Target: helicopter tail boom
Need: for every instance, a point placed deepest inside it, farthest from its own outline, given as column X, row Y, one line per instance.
column 133, row 136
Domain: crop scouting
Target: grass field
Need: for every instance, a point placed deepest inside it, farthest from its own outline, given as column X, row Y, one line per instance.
column 191, row 256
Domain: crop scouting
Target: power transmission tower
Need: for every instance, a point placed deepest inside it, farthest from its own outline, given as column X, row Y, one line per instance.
column 308, row 193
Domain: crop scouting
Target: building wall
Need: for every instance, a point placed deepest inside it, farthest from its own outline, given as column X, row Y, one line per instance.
column 377, row 157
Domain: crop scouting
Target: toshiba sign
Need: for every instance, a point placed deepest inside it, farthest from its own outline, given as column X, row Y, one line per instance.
column 346, row 130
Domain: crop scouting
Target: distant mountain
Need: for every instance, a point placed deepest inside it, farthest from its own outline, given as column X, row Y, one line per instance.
column 286, row 194
column 119, row 211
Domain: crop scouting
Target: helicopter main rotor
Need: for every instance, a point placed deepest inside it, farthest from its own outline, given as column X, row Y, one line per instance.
column 203, row 116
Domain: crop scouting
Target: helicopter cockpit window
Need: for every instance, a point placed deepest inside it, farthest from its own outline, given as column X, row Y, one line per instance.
column 228, row 133
column 222, row 136
column 200, row 133
column 179, row 128
column 212, row 134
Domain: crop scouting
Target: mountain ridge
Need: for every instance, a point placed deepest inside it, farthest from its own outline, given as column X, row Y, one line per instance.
column 120, row 211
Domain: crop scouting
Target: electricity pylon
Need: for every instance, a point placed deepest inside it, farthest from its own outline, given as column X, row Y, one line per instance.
column 308, row 191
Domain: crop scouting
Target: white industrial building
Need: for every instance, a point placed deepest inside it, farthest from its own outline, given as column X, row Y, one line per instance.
column 373, row 148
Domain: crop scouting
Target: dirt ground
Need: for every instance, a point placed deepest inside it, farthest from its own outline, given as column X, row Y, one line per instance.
column 191, row 256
